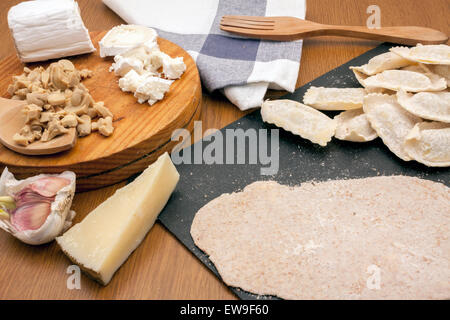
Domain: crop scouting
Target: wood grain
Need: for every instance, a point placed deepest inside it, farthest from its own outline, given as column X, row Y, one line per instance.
column 161, row 268
column 290, row 28
column 12, row 121
column 141, row 133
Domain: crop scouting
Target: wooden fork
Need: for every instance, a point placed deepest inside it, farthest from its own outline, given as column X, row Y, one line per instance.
column 290, row 28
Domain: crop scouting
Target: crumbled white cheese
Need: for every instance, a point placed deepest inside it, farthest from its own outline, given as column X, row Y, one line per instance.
column 48, row 29
column 123, row 65
column 139, row 67
column 130, row 82
column 173, row 68
column 152, row 89
column 125, row 37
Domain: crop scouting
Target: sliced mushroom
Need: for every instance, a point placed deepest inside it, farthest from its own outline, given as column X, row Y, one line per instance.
column 37, row 98
column 102, row 110
column 53, row 130
column 56, row 99
column 46, row 116
column 91, row 112
column 84, row 127
column 70, row 121
column 32, row 112
column 77, row 97
column 25, row 136
column 45, row 77
column 105, row 126
column 86, row 73
column 66, row 65
column 20, row 139
column 22, row 93
column 94, row 126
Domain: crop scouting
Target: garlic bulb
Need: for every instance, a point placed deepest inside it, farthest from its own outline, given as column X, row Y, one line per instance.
column 36, row 210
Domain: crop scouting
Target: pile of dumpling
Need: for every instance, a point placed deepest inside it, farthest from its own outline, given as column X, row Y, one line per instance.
column 405, row 101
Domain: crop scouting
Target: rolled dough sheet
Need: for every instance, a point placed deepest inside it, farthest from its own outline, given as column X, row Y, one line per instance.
column 372, row 238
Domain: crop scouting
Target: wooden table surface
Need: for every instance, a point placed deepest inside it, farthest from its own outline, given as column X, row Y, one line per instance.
column 161, row 268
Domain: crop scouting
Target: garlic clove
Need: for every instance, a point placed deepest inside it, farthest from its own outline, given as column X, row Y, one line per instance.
column 49, row 186
column 37, row 224
column 7, row 202
column 28, row 196
column 4, row 215
column 30, row 216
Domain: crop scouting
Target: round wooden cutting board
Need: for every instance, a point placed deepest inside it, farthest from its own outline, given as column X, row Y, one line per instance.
column 141, row 134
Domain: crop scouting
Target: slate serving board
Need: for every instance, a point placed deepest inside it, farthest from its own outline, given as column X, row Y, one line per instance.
column 299, row 161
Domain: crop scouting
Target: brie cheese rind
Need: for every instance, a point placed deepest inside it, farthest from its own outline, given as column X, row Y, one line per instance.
column 382, row 62
column 427, row 105
column 429, row 143
column 429, row 54
column 299, row 119
column 334, row 98
column 352, row 125
column 122, row 38
column 402, row 80
column 51, row 29
column 391, row 122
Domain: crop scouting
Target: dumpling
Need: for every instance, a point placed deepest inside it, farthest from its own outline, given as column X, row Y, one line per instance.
column 352, row 125
column 441, row 70
column 429, row 143
column 429, row 54
column 427, row 105
column 382, row 62
column 334, row 98
column 402, row 80
column 391, row 122
column 299, row 119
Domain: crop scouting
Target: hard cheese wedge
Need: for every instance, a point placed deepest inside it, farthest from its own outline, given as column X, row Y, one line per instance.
column 102, row 242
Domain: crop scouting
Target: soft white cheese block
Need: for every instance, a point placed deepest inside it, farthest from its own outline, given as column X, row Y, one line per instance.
column 122, row 38
column 102, row 242
column 48, row 29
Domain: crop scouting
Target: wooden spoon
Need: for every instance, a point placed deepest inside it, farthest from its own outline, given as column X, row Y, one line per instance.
column 12, row 120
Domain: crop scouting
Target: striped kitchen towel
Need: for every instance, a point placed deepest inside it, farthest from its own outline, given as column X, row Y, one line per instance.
column 243, row 69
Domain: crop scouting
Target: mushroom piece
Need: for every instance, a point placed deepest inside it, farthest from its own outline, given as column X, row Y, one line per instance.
column 25, row 136
column 56, row 98
column 37, row 98
column 102, row 110
column 66, row 65
column 70, row 121
column 105, row 126
column 84, row 127
column 77, row 97
column 91, row 112
column 32, row 112
column 86, row 73
column 53, row 130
